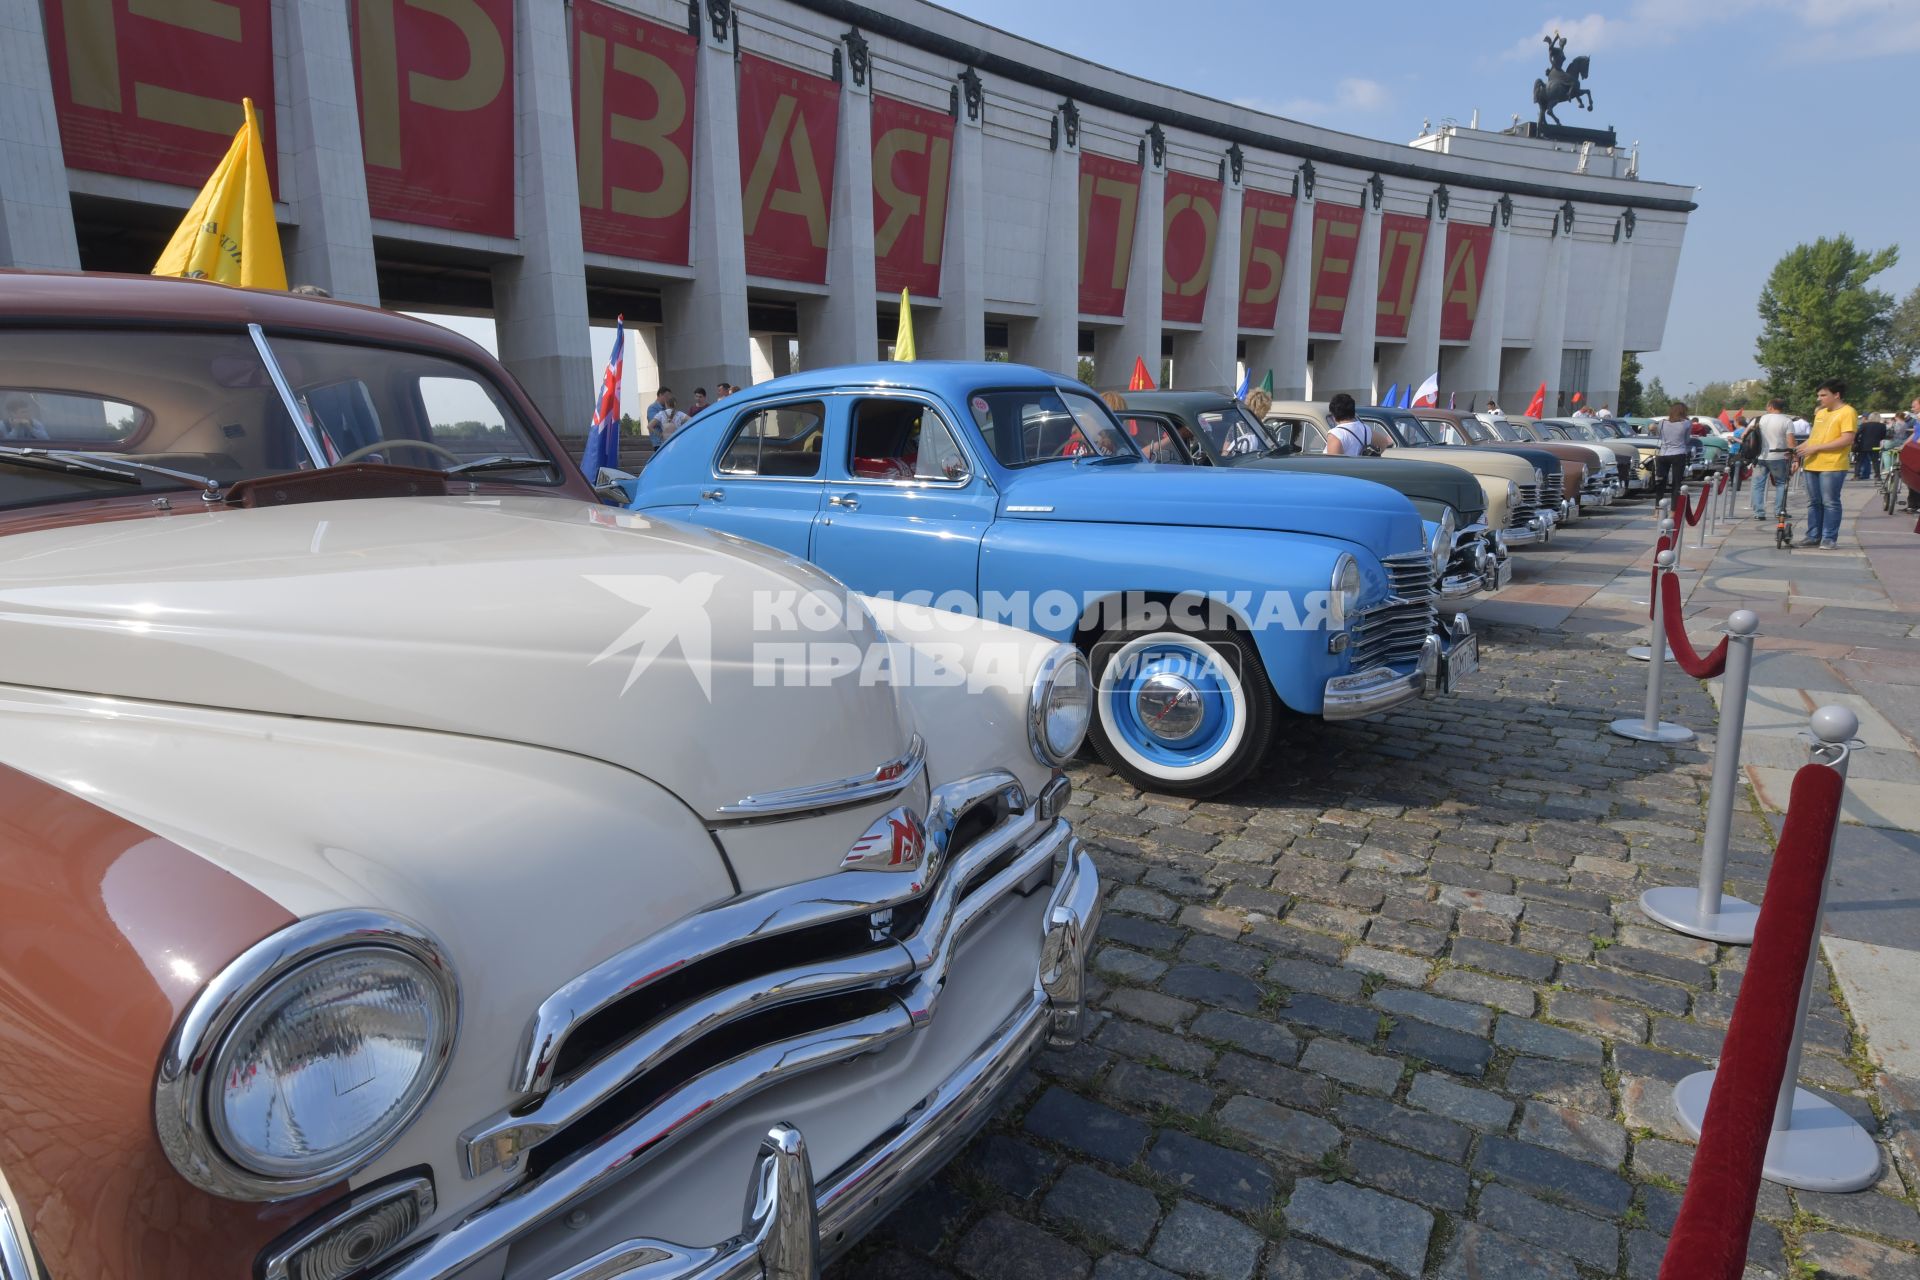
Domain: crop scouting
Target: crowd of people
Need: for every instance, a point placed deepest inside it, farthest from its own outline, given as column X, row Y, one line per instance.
column 1836, row 443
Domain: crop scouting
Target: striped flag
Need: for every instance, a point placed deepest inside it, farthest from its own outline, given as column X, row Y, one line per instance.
column 603, row 437
column 1429, row 393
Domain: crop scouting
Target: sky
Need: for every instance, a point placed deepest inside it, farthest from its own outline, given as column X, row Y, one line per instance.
column 1794, row 118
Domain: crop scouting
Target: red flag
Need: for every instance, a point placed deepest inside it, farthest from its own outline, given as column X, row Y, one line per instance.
column 1537, row 405
column 1576, row 397
column 1142, row 380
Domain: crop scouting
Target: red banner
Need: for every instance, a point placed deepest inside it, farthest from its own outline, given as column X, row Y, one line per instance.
column 1109, row 201
column 1265, row 220
column 1468, row 248
column 1190, row 230
column 1336, row 241
column 789, row 128
column 436, row 111
column 912, row 164
column 633, row 133
column 1403, row 242
column 153, row 90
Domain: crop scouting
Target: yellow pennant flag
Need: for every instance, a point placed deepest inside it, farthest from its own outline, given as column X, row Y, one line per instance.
column 903, row 339
column 229, row 235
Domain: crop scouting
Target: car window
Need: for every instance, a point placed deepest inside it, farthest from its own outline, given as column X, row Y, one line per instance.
column 780, row 440
column 1154, row 438
column 74, row 419
column 1025, row 425
column 1443, row 430
column 1393, row 428
column 1235, row 432
column 1477, row 430
column 903, row 440
column 1313, row 436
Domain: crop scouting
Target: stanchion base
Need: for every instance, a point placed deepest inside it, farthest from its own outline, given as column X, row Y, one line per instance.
column 1641, row 652
column 1666, row 731
column 1677, row 908
column 1824, row 1150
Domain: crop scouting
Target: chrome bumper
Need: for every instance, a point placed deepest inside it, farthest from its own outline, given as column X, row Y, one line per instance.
column 1499, row 575
column 1463, row 585
column 1442, row 662
column 794, row 1224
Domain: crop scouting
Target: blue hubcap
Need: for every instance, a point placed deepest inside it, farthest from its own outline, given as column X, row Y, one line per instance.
column 1169, row 702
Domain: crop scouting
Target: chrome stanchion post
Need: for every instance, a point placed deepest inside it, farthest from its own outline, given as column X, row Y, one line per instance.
column 1650, row 727
column 1707, row 912
column 1814, row 1146
column 1700, row 540
column 1641, row 652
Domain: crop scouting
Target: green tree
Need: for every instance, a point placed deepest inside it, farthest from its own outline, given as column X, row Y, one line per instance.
column 1084, row 370
column 1820, row 319
column 1894, row 379
column 1655, row 398
column 1630, row 392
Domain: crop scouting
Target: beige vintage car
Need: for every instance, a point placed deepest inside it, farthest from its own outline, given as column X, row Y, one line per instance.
column 422, row 871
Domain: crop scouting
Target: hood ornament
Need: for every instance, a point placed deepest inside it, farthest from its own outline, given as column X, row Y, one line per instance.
column 896, row 842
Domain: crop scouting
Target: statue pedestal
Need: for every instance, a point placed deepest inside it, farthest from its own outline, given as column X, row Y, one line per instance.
column 1564, row 133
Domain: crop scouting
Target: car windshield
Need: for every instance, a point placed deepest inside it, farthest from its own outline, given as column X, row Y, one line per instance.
column 1478, row 431
column 1577, row 431
column 1504, row 429
column 204, row 405
column 1026, row 425
column 1407, row 429
column 1444, row 430
column 1236, row 433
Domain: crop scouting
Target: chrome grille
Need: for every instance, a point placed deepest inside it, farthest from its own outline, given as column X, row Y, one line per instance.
column 1529, row 495
column 1551, row 490
column 843, row 964
column 1392, row 632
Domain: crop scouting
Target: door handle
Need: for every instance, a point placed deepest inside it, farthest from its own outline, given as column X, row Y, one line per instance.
column 713, row 495
column 849, row 501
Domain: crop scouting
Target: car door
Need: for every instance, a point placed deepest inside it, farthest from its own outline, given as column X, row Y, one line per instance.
column 766, row 480
column 1154, row 435
column 906, row 507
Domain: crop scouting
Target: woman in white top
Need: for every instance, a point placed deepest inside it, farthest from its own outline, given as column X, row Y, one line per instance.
column 1350, row 438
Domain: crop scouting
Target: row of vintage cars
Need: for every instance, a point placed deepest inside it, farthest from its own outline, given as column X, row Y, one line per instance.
column 416, row 868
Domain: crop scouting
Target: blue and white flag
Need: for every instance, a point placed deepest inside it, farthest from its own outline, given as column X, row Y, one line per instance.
column 1246, row 383
column 603, row 437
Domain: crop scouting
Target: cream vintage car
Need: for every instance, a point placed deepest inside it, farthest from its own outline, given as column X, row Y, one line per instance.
column 420, row 871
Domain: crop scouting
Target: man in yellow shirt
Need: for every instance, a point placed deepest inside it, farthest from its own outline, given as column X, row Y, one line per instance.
column 1824, row 458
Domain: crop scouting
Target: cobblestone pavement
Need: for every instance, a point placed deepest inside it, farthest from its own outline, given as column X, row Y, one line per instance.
column 1390, row 1011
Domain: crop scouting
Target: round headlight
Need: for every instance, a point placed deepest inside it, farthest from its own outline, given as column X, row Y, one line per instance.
column 1344, row 592
column 1539, row 477
column 1442, row 549
column 1513, row 495
column 1061, row 706
column 307, row 1056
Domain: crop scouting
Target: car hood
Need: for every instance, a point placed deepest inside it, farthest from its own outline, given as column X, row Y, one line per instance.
column 1440, row 482
column 1506, row 466
column 1357, row 511
column 549, row 622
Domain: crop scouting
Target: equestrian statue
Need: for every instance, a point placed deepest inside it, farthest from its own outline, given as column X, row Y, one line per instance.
column 1562, row 83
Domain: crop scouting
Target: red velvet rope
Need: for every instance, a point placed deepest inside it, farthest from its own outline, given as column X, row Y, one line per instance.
column 1722, row 486
column 1683, row 652
column 1698, row 508
column 1709, row 1241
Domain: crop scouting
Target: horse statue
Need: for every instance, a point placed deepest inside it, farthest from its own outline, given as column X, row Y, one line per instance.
column 1562, row 82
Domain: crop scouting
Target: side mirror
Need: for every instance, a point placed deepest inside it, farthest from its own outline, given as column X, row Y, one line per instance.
column 611, row 486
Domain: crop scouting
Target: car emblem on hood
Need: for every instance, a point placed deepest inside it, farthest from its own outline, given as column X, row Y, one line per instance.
column 897, row 842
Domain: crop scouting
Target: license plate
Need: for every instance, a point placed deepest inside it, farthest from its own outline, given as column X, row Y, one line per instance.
column 1503, row 574
column 1462, row 660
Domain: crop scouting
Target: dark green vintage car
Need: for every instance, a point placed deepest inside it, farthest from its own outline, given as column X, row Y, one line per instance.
column 1210, row 428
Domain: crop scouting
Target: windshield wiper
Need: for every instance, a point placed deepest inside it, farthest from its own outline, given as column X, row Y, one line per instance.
column 502, row 462
column 105, row 464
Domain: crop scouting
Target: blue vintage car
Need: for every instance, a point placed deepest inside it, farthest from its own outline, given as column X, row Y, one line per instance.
column 1206, row 600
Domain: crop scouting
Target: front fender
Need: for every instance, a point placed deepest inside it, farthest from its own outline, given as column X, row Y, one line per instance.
column 1065, row 571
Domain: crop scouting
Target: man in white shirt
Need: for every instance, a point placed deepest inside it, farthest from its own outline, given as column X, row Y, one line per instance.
column 1350, row 438
column 1774, row 459
column 1801, row 428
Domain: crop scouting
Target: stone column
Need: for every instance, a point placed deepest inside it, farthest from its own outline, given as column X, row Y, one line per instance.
column 1541, row 361
column 323, row 173
column 540, row 297
column 1409, row 363
column 957, row 329
column 703, row 331
column 1207, row 359
column 1347, row 365
column 1476, row 369
column 1051, row 340
column 36, row 217
column 1610, row 338
column 1138, row 333
column 1285, row 352
column 842, row 327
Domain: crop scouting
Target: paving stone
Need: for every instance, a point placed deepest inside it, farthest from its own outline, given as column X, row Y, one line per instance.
column 1080, row 1125
column 1348, row 1020
column 1301, row 1260
column 1150, row 1006
column 1135, row 932
column 1554, row 1175
column 1865, row 1212
column 1478, row 1253
column 1542, row 1041
column 1122, row 1213
column 1663, row 996
column 1426, row 1133
column 1116, row 1266
column 1264, row 1079
column 1147, row 1087
column 1563, row 1083
column 1291, row 1133
column 1149, row 1045
column 1017, row 1168
column 1128, row 966
column 1207, row 1244
column 1077, row 1064
column 1378, row 1227
column 1562, row 1230
column 1688, row 1037
column 1638, row 1060
column 893, row 1264
column 1843, row 1257
column 1497, row 958
column 1231, row 1179
column 1597, row 1013
column 1409, row 970
column 1255, row 1035
column 1475, row 1108
column 1513, row 997
column 1461, row 1054
column 1505, row 905
column 1349, row 1065
column 1234, row 957
column 1468, row 1019
column 1001, row 1247
column 1647, row 1103
column 1576, row 1133
column 1318, row 979
column 1143, row 902
column 1434, row 1183
column 928, row 1216
column 1657, row 964
column 1212, row 986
